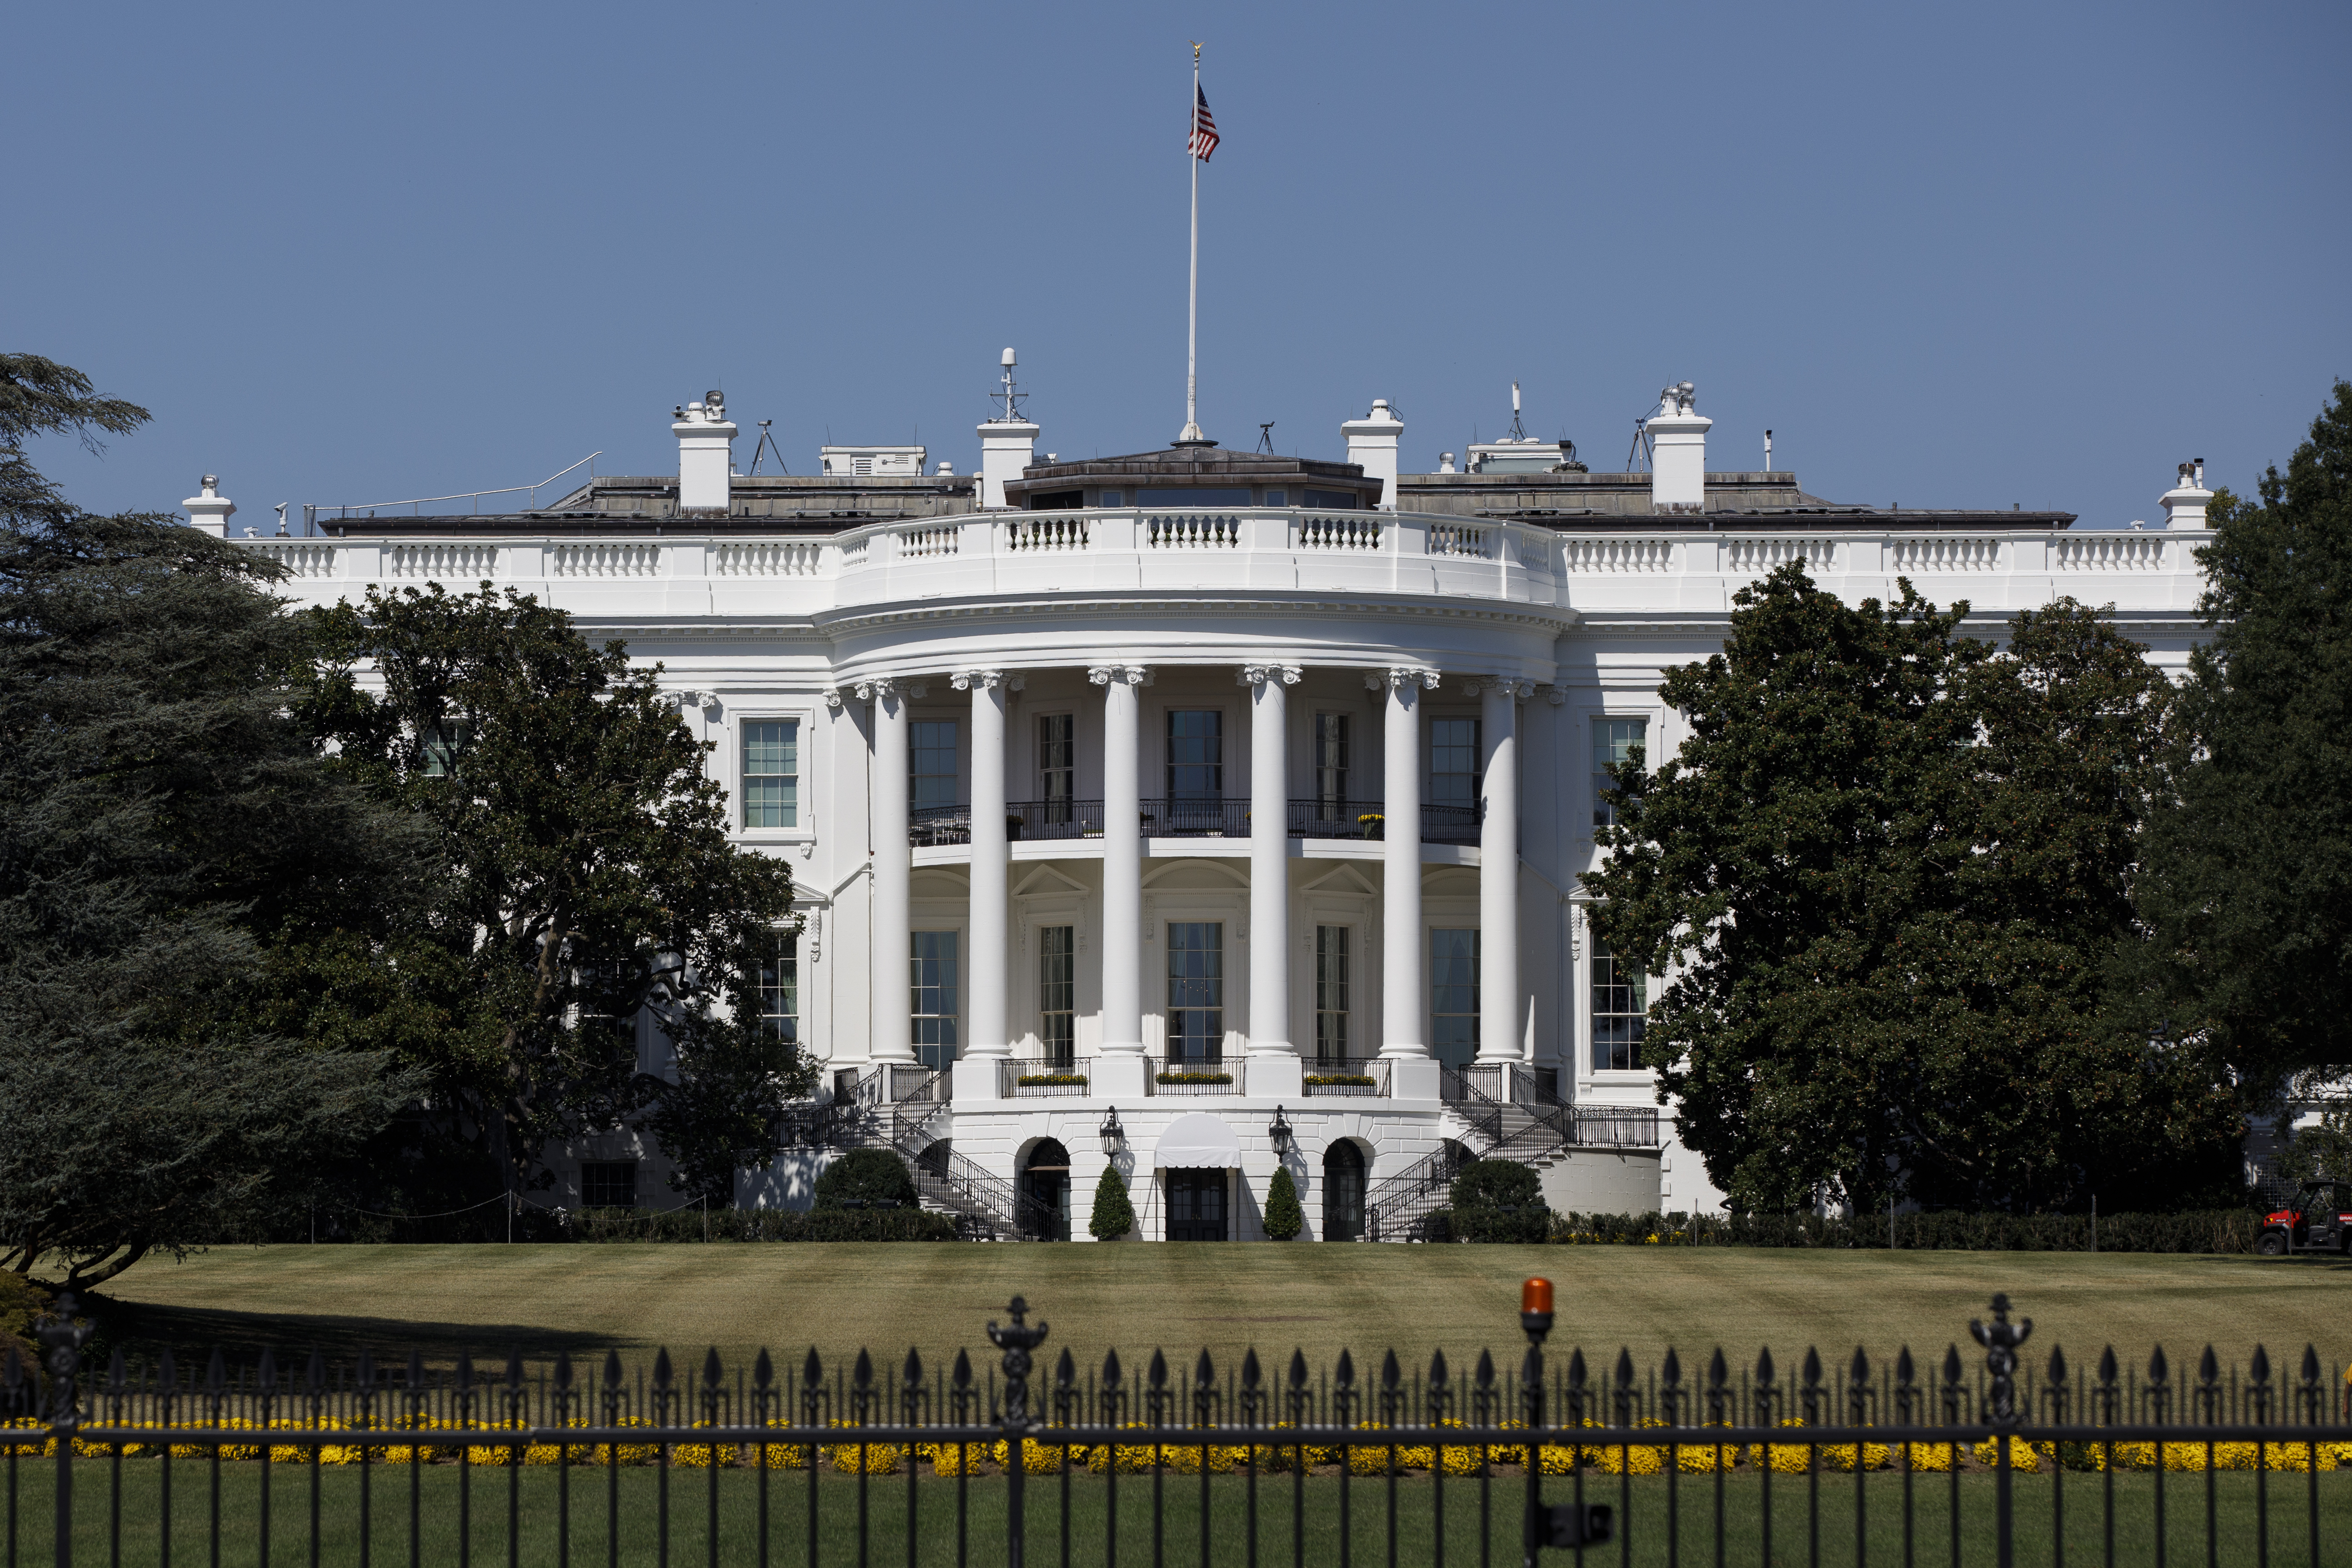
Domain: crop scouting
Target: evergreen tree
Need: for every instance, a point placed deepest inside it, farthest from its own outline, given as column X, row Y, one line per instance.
column 1284, row 1218
column 2248, row 886
column 590, row 880
column 168, row 840
column 1889, row 873
column 1114, row 1216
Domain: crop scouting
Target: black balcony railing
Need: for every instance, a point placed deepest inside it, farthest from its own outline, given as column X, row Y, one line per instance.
column 1164, row 818
column 1043, row 1078
column 1194, row 1075
column 1333, row 1077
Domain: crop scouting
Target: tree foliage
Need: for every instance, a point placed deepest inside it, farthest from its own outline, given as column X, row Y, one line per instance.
column 1888, row 873
column 1498, row 1201
column 1284, row 1218
column 866, row 1176
column 591, row 881
column 2248, row 886
column 166, row 836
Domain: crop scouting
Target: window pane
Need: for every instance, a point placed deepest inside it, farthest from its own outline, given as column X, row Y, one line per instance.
column 1057, row 762
column 1057, row 993
column 443, row 744
column 1196, row 991
column 779, row 989
column 1454, row 996
column 936, row 992
column 1196, row 756
column 771, row 767
column 1331, row 762
column 608, row 1183
column 1614, row 741
column 1621, row 997
column 1453, row 763
column 932, row 778
column 1330, row 992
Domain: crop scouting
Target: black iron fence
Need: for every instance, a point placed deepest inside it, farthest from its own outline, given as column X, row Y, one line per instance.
column 1855, row 1460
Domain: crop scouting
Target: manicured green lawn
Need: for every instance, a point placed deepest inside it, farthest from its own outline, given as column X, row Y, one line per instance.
column 1185, row 1296
column 1471, row 1536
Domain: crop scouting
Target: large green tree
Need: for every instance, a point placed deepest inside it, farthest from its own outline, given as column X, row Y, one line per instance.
column 591, row 879
column 2248, row 884
column 1886, row 873
column 163, row 825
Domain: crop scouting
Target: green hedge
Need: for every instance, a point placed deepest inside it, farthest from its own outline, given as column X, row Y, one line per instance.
column 759, row 1224
column 2202, row 1231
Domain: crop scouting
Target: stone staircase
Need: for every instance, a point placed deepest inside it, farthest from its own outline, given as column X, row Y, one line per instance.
column 905, row 1110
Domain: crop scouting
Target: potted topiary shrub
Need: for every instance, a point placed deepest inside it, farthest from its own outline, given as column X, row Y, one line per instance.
column 1114, row 1216
column 1284, row 1218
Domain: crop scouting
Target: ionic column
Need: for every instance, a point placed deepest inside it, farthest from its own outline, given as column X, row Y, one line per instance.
column 1404, row 1029
column 891, row 1027
column 1499, row 1038
column 1272, row 1066
column 988, row 975
column 1122, row 898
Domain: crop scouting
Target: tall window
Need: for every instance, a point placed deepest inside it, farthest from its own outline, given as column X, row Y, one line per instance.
column 1057, row 762
column 1330, row 992
column 772, row 774
column 1614, row 741
column 1196, row 991
column 1621, row 997
column 1454, row 996
column 1057, row 993
column 1453, row 763
column 1196, row 756
column 779, row 989
column 932, row 778
column 1331, row 764
column 936, row 1003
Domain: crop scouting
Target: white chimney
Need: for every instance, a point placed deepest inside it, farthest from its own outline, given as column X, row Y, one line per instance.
column 1678, row 451
column 1007, row 444
column 2184, row 504
column 210, row 511
column 706, row 454
column 1373, row 445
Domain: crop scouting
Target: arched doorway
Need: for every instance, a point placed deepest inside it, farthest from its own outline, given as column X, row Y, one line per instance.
column 1046, row 1181
column 1343, row 1191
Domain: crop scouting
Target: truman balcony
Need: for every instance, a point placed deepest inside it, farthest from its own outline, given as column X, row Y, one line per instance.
column 1045, row 821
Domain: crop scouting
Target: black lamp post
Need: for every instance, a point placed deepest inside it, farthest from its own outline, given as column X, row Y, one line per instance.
column 1280, row 1133
column 1112, row 1132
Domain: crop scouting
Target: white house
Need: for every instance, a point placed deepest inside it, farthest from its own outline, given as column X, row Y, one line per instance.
column 1197, row 809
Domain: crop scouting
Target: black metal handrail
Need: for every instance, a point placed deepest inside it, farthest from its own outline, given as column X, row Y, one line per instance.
column 1061, row 818
column 1336, row 818
column 1156, row 1066
column 1220, row 818
column 1376, row 1068
column 1160, row 817
column 1011, row 1070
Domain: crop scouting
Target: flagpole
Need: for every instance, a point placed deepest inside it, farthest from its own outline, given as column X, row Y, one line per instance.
column 1193, row 311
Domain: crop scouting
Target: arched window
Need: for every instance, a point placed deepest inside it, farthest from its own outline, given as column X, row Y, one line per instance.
column 1046, row 1179
column 1343, row 1192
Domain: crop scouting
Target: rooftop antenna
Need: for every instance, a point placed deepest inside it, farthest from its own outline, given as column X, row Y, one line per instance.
column 1265, row 438
column 1638, row 457
column 1517, row 434
column 767, row 444
column 1011, row 398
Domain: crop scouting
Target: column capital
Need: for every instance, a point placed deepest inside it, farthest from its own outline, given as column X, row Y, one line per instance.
column 1395, row 679
column 1556, row 695
column 1124, row 674
column 831, row 695
column 876, row 687
column 985, row 680
column 1253, row 674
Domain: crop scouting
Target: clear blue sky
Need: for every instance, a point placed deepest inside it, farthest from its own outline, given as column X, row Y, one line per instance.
column 1959, row 255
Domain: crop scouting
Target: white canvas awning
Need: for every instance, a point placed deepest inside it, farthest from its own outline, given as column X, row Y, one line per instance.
column 1197, row 1141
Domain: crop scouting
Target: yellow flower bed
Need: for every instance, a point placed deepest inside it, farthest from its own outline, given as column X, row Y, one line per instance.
column 1939, row 1457
column 1796, row 1459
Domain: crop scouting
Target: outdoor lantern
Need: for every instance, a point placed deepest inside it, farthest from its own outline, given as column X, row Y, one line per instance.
column 1112, row 1131
column 1280, row 1133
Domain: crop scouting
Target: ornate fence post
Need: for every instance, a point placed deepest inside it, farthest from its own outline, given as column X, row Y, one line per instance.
column 2000, row 1339
column 63, row 1339
column 1017, row 1340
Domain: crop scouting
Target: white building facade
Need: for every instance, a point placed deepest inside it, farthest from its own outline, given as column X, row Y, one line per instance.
column 1195, row 813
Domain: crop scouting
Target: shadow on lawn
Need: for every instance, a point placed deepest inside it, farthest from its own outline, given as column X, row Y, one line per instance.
column 145, row 1330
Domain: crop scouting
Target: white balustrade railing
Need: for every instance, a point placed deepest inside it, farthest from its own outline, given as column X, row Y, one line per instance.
column 446, row 562
column 604, row 558
column 991, row 553
column 1192, row 530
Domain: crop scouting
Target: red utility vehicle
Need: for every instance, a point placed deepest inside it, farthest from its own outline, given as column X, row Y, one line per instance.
column 2320, row 1221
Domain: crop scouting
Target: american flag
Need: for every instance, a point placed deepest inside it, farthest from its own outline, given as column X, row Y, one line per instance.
column 1204, row 127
